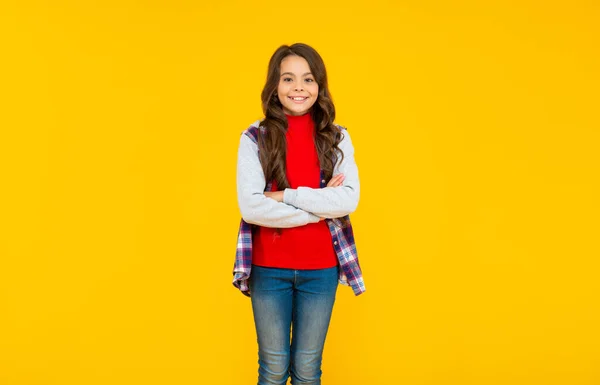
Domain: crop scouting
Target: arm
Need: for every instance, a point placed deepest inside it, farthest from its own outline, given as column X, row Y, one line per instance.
column 331, row 202
column 255, row 207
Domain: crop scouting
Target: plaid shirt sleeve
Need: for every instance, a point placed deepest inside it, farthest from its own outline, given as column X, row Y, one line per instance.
column 243, row 258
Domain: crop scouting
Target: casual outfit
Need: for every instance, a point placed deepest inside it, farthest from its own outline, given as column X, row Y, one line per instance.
column 288, row 260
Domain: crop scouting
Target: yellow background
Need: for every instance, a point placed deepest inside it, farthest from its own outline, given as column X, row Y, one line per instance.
column 476, row 129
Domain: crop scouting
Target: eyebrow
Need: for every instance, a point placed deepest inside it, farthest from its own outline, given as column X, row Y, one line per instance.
column 289, row 73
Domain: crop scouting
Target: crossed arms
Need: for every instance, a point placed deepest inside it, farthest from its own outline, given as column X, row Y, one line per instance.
column 294, row 207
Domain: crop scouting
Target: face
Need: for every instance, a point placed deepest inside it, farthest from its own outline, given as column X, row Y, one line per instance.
column 298, row 89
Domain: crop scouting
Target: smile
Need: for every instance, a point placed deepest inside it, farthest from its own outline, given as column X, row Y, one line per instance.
column 299, row 99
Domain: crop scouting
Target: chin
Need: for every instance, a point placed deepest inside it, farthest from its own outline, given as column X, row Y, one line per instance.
column 296, row 111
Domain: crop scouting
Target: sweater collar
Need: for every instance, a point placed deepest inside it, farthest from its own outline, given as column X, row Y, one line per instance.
column 299, row 119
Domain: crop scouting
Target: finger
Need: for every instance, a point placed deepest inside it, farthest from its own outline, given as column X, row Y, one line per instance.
column 336, row 180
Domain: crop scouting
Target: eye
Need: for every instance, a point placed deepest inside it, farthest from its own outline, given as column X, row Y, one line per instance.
column 309, row 80
column 287, row 79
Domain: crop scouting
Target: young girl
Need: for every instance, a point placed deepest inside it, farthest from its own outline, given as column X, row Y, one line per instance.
column 297, row 183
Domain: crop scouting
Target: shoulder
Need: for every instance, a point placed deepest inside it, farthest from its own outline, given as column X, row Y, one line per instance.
column 252, row 131
column 342, row 132
column 340, row 127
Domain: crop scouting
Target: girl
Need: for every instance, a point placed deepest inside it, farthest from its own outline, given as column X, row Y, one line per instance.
column 297, row 183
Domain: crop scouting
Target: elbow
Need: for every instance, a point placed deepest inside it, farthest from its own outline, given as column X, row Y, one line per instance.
column 352, row 202
column 247, row 218
column 344, row 205
column 353, row 206
column 253, row 220
column 350, row 208
column 344, row 210
column 248, row 215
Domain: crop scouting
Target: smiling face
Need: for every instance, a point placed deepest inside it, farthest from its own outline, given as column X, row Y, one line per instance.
column 297, row 89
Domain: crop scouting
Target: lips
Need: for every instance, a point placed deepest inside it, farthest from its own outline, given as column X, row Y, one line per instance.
column 298, row 99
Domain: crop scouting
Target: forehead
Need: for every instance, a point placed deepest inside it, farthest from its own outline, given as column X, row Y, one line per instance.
column 294, row 64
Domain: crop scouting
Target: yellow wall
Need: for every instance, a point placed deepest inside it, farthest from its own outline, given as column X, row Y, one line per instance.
column 476, row 129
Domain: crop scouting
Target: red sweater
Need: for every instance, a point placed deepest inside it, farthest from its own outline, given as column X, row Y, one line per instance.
column 303, row 247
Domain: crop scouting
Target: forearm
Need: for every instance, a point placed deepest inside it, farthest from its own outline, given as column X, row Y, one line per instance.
column 327, row 202
column 263, row 211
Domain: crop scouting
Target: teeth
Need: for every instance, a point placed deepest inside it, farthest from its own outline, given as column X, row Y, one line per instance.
column 298, row 99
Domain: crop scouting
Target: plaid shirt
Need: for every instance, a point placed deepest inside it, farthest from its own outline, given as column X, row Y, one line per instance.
column 342, row 238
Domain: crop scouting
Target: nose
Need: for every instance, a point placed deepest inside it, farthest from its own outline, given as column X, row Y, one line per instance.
column 298, row 86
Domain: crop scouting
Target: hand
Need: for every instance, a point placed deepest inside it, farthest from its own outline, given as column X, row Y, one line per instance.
column 336, row 181
column 277, row 195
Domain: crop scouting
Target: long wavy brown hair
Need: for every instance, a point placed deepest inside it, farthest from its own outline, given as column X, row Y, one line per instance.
column 272, row 140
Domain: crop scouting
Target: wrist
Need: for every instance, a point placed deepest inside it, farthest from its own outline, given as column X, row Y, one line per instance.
column 279, row 196
column 275, row 195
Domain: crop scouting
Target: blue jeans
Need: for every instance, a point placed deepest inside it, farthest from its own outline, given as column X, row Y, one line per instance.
column 302, row 299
